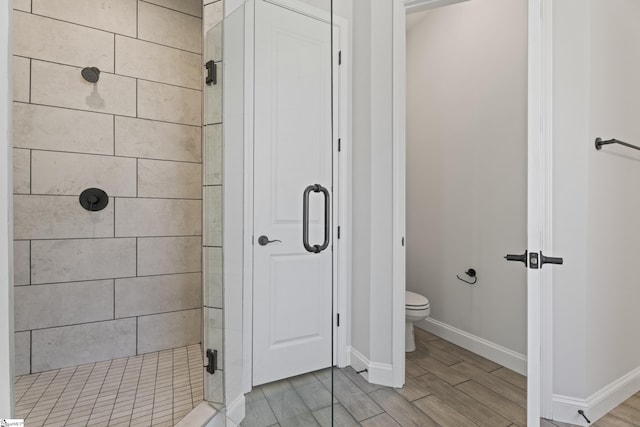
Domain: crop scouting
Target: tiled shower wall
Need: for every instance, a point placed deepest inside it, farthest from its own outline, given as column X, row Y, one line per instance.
column 93, row 286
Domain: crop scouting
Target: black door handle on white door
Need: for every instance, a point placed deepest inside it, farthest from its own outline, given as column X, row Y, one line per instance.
column 521, row 258
column 549, row 260
column 532, row 261
column 264, row 240
column 316, row 188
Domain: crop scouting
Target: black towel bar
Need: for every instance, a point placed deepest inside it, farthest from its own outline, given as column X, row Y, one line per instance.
column 600, row 143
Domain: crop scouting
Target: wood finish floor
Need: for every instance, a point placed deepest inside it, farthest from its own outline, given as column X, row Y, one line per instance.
column 446, row 386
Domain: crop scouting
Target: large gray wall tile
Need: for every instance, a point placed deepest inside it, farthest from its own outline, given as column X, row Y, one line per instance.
column 167, row 27
column 63, row 86
column 22, row 349
column 214, row 329
column 24, row 5
column 213, row 277
column 77, row 345
column 150, row 61
column 170, row 330
column 213, row 32
column 46, row 306
column 157, row 140
column 213, row 100
column 52, row 217
column 157, row 101
column 60, row 129
column 213, row 216
column 86, row 259
column 192, row 7
column 176, row 180
column 56, row 41
column 213, row 155
column 169, row 255
column 214, row 387
column 21, row 171
column 117, row 16
column 21, row 262
column 21, row 78
column 158, row 294
column 68, row 173
column 158, row 217
column 213, row 14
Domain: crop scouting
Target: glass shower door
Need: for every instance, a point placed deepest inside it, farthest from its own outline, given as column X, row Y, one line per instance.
column 269, row 229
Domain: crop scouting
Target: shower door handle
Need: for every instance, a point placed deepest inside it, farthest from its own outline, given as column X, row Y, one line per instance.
column 316, row 188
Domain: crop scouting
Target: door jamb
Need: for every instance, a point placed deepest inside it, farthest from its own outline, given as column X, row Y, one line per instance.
column 540, row 101
column 342, row 254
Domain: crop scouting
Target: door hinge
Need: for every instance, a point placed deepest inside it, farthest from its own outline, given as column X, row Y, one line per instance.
column 212, row 357
column 339, row 144
column 338, row 320
column 340, row 58
column 338, row 232
column 211, row 73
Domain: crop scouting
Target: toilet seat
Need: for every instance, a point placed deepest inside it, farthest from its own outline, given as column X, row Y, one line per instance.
column 416, row 302
column 417, row 309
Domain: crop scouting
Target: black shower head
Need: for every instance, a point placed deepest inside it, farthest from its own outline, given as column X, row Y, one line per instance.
column 91, row 74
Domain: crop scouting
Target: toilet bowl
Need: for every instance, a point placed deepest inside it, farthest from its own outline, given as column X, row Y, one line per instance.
column 417, row 308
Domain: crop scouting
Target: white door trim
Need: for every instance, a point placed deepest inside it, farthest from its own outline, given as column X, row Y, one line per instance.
column 399, row 167
column 540, row 99
column 545, row 113
column 342, row 255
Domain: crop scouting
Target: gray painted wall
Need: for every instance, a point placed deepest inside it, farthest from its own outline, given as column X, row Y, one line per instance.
column 372, row 183
column 596, row 203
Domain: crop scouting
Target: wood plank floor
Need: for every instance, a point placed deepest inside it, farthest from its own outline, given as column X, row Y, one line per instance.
column 446, row 386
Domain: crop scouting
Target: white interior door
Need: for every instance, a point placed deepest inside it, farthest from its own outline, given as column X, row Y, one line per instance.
column 292, row 287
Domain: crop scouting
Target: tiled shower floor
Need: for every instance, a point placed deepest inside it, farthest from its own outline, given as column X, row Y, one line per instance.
column 155, row 389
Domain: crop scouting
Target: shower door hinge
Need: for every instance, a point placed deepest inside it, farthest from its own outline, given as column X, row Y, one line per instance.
column 212, row 357
column 338, row 232
column 338, row 320
column 211, row 73
column 339, row 57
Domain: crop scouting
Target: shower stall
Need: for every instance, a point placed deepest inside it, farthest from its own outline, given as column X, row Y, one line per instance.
column 177, row 184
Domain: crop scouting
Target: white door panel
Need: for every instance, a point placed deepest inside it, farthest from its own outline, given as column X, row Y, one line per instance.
column 292, row 288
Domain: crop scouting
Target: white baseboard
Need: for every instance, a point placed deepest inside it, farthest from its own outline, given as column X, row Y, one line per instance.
column 236, row 410
column 377, row 373
column 494, row 352
column 344, row 358
column 565, row 408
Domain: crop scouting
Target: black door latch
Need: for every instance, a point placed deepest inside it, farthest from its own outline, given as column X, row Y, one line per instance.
column 531, row 259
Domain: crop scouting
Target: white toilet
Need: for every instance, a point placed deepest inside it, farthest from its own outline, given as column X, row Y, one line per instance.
column 417, row 308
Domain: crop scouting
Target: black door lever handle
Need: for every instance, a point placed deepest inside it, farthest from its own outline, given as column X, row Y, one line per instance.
column 264, row 241
column 521, row 258
column 549, row 260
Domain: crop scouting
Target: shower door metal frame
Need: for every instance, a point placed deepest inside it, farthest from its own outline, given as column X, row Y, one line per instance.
column 341, row 191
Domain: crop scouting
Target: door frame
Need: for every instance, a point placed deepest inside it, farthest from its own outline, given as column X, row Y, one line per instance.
column 540, row 195
column 342, row 191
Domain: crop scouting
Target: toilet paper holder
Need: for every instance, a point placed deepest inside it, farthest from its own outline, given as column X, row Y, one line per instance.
column 471, row 273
